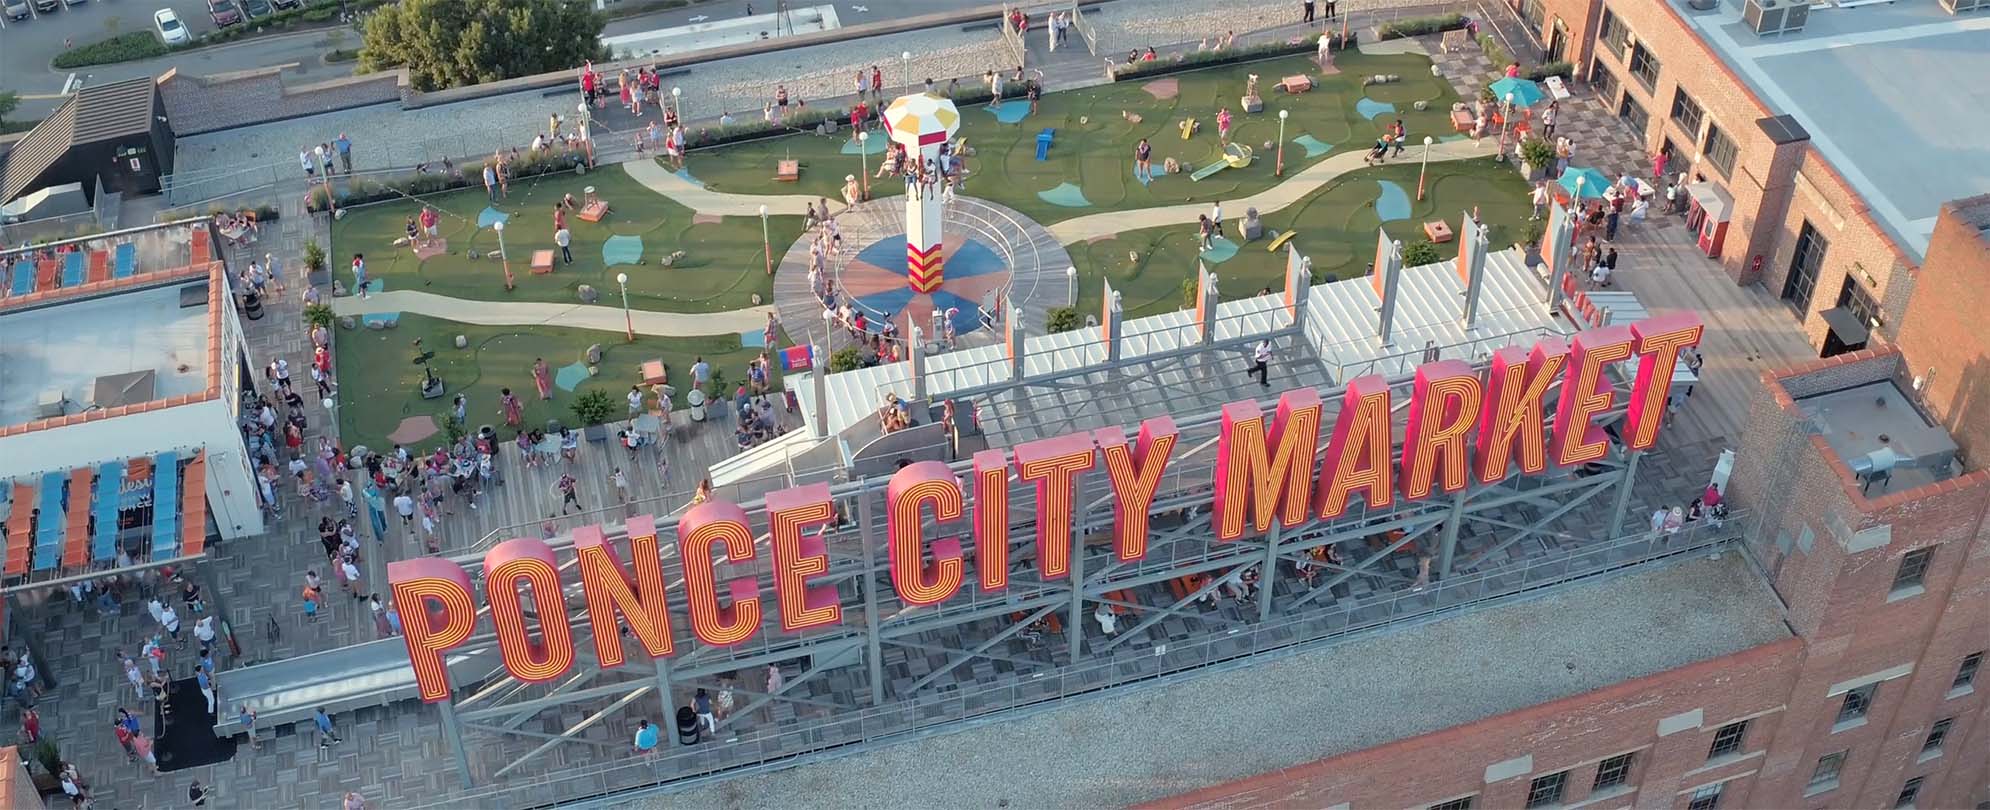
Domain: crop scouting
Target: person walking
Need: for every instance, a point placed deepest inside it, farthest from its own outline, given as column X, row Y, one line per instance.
column 359, row 274
column 1143, row 162
column 1402, row 138
column 1548, row 117
column 310, row 167
column 171, row 622
column 344, row 146
column 564, row 238
column 327, row 733
column 1610, row 220
column 206, row 684
column 1306, row 11
column 702, row 704
column 569, row 493
column 1202, row 231
column 1539, row 197
column 1260, row 363
column 246, row 717
column 621, row 482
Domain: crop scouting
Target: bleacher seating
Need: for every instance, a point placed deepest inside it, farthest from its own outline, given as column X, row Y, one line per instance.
column 48, row 534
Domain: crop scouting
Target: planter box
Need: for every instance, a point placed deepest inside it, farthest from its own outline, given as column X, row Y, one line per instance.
column 595, row 433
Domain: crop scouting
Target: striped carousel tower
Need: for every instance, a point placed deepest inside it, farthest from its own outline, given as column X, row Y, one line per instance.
column 921, row 122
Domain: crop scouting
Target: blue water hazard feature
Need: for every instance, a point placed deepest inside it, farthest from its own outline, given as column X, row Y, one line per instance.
column 685, row 175
column 569, row 378
column 755, row 339
column 1314, row 146
column 621, row 250
column 1393, row 204
column 387, row 318
column 1012, row 111
column 491, row 216
column 1065, row 195
column 873, row 145
column 1221, row 250
column 1370, row 108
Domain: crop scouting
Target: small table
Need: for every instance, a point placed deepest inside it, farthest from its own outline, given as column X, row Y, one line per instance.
column 788, row 171
column 654, row 373
column 542, row 262
column 1438, row 230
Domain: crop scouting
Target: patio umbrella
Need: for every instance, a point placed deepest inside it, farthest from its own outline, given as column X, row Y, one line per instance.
column 1593, row 184
column 1525, row 93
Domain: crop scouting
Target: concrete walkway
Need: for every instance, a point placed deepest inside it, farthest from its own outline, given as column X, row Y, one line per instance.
column 579, row 316
column 1305, row 182
column 705, row 201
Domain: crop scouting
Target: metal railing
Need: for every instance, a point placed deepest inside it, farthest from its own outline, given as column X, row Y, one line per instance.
column 1086, row 30
column 1475, row 351
column 920, row 715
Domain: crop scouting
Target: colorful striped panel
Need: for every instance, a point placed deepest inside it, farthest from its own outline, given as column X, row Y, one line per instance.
column 48, row 535
column 76, row 536
column 127, row 261
column 100, row 265
column 19, row 544
column 74, row 264
column 193, row 507
column 165, row 496
column 203, row 247
column 48, row 275
column 110, row 478
column 24, row 278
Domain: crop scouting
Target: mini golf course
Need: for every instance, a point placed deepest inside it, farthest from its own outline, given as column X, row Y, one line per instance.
column 1090, row 164
column 1335, row 226
column 379, row 383
column 722, row 267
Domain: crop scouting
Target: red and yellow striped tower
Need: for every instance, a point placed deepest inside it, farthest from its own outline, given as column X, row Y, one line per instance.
column 921, row 122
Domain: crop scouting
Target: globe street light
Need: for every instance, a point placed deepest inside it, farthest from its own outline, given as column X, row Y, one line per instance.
column 905, row 66
column 1505, row 117
column 1427, row 141
column 1279, row 170
column 864, row 162
column 1071, row 286
column 503, row 256
column 628, row 322
column 677, row 101
column 766, row 246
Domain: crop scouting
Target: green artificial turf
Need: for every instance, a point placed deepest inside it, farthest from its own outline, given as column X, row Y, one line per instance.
column 1097, row 154
column 723, row 267
column 379, row 384
column 1336, row 227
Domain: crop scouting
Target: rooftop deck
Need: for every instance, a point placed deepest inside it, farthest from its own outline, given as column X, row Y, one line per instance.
column 121, row 349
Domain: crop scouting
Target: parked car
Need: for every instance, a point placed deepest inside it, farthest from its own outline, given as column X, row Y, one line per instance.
column 76, row 2
column 17, row 10
column 46, row 6
column 255, row 9
column 224, row 12
column 288, row 4
column 171, row 30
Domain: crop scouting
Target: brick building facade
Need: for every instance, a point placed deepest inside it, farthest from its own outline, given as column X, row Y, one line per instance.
column 1878, row 700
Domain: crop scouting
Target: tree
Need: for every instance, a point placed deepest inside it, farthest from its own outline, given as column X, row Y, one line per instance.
column 453, row 43
column 8, row 101
column 1420, row 253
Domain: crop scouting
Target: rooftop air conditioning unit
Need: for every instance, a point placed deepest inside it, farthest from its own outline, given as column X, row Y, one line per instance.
column 1703, row 5
column 1766, row 17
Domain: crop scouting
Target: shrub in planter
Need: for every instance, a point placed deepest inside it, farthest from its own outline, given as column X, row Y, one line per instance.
column 1418, row 26
column 845, row 359
column 1421, row 252
column 314, row 262
column 593, row 406
column 1530, row 235
column 1537, row 153
column 1061, row 319
column 1541, row 74
column 1249, row 53
column 318, row 316
column 1188, row 292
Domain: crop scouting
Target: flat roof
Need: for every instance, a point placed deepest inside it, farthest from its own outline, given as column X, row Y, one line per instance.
column 1858, row 421
column 142, row 345
column 1886, row 93
column 1147, row 743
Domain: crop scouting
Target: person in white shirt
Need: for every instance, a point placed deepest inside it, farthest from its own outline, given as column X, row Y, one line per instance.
column 1108, row 622
column 635, row 401
column 1260, row 362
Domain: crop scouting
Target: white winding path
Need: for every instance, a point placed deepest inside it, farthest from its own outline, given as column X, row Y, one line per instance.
column 532, row 313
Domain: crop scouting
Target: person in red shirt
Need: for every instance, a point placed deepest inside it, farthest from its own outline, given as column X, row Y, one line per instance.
column 877, row 82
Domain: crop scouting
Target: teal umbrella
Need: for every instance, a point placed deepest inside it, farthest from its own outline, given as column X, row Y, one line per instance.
column 1525, row 93
column 1593, row 183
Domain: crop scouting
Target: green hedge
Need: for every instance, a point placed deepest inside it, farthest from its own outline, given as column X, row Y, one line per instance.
column 1562, row 69
column 753, row 129
column 1418, row 26
column 363, row 191
column 1203, row 59
column 120, row 48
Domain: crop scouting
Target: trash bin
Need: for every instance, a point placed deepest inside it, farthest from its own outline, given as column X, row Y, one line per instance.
column 252, row 306
column 696, row 401
column 687, row 726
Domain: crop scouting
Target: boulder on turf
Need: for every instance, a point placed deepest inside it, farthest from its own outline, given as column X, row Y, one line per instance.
column 348, row 322
column 376, row 325
column 1253, row 227
column 588, row 294
column 593, row 354
column 462, row 341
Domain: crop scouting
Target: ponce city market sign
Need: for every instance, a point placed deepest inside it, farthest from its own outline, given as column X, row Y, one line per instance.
column 1461, row 428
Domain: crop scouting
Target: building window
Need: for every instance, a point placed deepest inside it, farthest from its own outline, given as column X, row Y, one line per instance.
column 1908, row 793
column 1634, row 114
column 1805, row 263
column 1853, row 296
column 1612, row 33
column 1686, row 112
column 1613, row 771
column 1728, row 740
column 1644, row 65
column 1825, row 776
column 1603, row 80
column 1966, row 674
column 1546, row 791
column 1706, row 798
column 1937, row 734
column 1913, row 569
column 1857, row 703
column 1536, row 14
column 1720, row 149
column 1455, row 804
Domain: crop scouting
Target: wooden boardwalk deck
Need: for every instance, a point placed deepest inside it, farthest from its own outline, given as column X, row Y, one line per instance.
column 527, row 496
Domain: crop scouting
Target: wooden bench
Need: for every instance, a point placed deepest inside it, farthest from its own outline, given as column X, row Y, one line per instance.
column 1438, row 230
column 542, row 262
column 788, row 171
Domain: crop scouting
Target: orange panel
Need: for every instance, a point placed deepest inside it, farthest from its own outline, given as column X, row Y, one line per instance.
column 137, row 468
column 18, row 541
column 202, row 247
column 100, row 265
column 76, row 540
column 48, row 275
column 193, row 507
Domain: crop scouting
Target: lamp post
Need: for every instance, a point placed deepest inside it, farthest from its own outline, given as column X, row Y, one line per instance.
column 503, row 257
column 1071, row 286
column 766, row 246
column 677, row 101
column 864, row 162
column 1505, row 118
column 905, row 67
column 1279, row 170
column 828, row 324
column 628, row 321
column 1427, row 141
